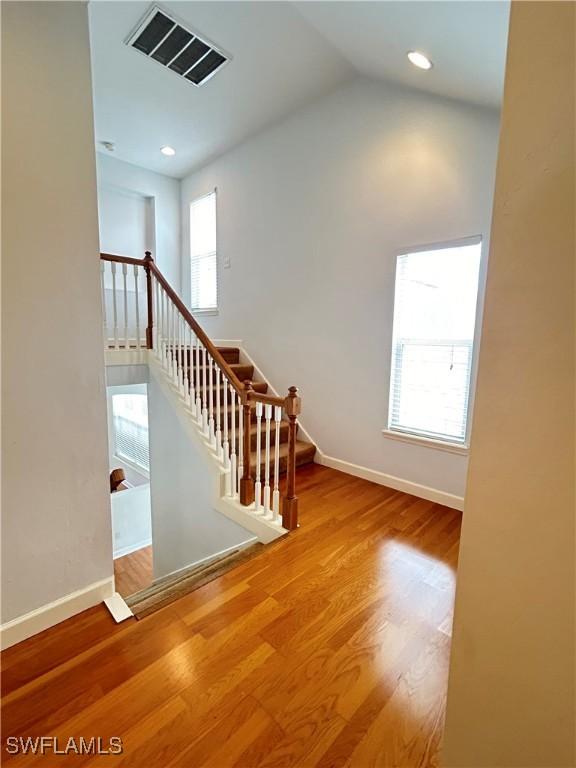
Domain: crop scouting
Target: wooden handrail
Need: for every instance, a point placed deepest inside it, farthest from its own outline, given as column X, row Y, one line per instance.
column 149, row 264
column 122, row 259
column 260, row 397
column 187, row 315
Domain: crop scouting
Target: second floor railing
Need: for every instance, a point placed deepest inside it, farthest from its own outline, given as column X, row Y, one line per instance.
column 141, row 310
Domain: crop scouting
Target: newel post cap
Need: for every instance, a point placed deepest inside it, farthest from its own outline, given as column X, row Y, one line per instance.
column 292, row 404
column 148, row 256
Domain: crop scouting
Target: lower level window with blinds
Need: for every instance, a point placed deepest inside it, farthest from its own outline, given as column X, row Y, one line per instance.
column 433, row 340
column 130, row 419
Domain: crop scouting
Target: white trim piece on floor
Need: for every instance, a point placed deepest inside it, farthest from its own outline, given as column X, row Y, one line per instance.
column 397, row 483
column 118, row 608
column 48, row 615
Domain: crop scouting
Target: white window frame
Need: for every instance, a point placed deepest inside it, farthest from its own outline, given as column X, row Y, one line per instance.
column 204, row 310
column 395, row 433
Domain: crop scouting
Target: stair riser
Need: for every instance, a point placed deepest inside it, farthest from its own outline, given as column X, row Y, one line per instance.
column 301, row 460
column 253, row 437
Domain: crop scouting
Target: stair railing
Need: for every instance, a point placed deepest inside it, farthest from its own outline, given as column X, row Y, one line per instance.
column 225, row 408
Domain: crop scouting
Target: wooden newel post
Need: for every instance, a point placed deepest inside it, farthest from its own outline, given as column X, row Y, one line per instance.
column 246, row 481
column 149, row 328
column 292, row 406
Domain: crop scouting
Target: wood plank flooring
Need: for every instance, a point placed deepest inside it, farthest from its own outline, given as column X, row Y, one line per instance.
column 133, row 572
column 329, row 649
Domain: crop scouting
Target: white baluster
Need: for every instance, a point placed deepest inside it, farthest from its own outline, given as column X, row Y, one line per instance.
column 137, row 307
column 158, row 323
column 161, row 323
column 125, row 286
column 211, row 430
column 233, row 467
column 182, row 354
column 240, row 443
column 189, row 358
column 276, row 491
column 166, row 329
column 198, row 382
column 180, row 359
column 174, row 344
column 268, row 416
column 204, row 392
column 104, row 322
column 218, row 422
column 258, row 484
column 226, row 443
column 177, row 347
column 168, row 335
column 114, row 304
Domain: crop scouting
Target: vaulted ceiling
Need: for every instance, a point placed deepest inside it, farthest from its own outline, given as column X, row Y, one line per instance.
column 284, row 55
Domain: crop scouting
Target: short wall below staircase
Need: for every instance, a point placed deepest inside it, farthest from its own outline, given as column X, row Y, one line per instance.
column 184, row 485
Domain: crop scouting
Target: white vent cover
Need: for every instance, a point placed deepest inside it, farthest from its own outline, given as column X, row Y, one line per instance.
column 168, row 42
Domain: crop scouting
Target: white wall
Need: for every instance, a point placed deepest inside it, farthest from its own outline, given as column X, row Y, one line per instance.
column 126, row 222
column 185, row 486
column 312, row 215
column 511, row 697
column 131, row 520
column 56, row 535
column 131, row 199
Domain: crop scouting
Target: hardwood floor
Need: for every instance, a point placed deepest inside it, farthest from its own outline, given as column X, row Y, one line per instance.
column 329, row 649
column 133, row 572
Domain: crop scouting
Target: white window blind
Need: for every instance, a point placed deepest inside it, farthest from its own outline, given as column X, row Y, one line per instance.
column 203, row 268
column 433, row 337
column 130, row 417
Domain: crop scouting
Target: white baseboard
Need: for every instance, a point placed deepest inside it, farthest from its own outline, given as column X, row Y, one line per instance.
column 131, row 548
column 48, row 615
column 415, row 489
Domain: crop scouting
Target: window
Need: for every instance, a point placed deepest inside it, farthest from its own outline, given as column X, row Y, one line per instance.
column 130, row 418
column 433, row 337
column 204, row 276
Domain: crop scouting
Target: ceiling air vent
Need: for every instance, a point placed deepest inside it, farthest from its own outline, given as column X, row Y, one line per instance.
column 161, row 38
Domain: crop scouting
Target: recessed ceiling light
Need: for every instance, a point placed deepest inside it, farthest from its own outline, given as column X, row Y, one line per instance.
column 419, row 60
column 168, row 151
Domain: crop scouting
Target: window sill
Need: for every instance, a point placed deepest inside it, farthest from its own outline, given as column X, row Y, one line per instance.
column 204, row 311
column 427, row 442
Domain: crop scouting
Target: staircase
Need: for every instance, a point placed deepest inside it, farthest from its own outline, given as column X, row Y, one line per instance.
column 250, row 433
column 304, row 451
